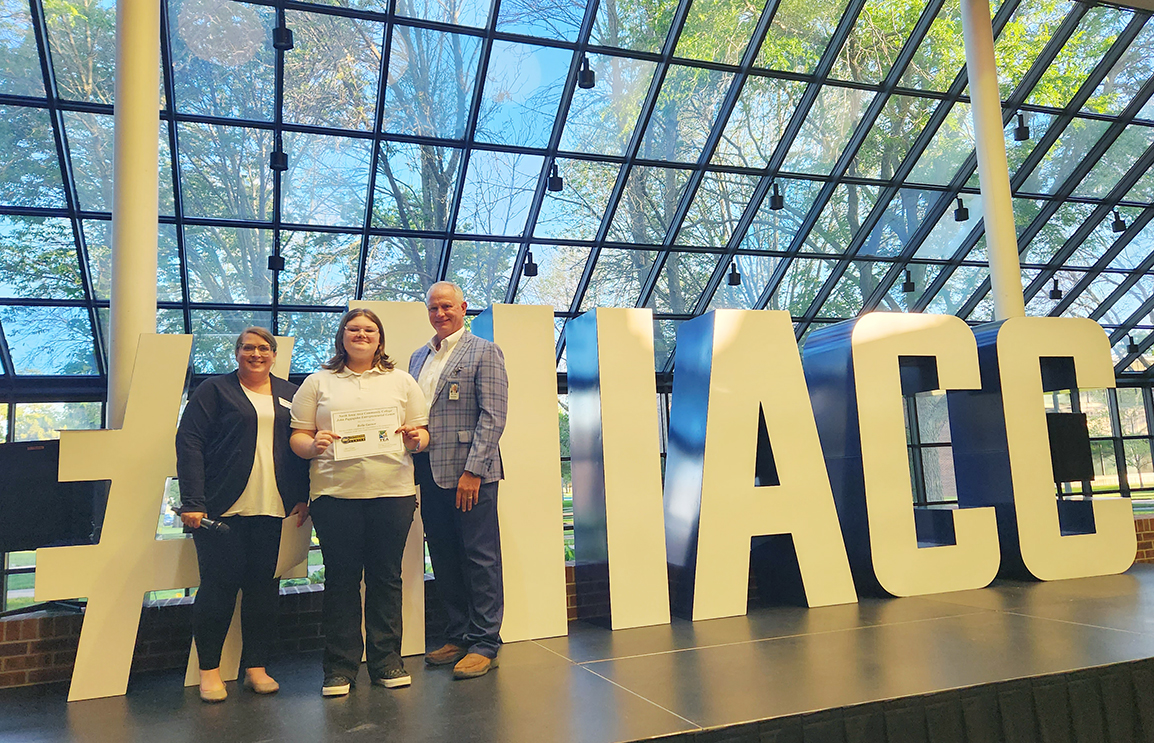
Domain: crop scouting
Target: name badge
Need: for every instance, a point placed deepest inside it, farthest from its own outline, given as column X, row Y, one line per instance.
column 454, row 391
column 285, row 403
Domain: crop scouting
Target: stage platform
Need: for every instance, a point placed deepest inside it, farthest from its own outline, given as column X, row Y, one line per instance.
column 1062, row 661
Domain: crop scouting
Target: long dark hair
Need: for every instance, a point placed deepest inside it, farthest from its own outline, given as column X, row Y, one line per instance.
column 340, row 357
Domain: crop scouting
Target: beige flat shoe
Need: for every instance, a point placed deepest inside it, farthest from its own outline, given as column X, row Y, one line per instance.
column 213, row 696
column 261, row 687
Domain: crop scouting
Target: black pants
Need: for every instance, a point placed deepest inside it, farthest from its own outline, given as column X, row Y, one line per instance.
column 244, row 559
column 362, row 537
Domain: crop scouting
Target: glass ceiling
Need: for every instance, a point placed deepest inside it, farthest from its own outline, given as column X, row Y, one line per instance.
column 421, row 135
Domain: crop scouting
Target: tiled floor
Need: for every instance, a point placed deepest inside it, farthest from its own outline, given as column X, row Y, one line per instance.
column 595, row 685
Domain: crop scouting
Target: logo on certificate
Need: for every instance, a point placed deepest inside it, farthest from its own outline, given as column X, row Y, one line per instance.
column 383, row 436
column 354, row 439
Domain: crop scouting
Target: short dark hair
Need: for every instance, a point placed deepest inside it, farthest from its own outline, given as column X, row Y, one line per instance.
column 340, row 357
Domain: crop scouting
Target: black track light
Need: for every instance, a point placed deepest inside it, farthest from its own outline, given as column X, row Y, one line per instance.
column 282, row 38
column 586, row 78
column 1131, row 346
column 776, row 201
column 1119, row 224
column 1021, row 131
column 961, row 214
column 734, row 276
column 276, row 263
column 908, row 286
column 278, row 160
column 530, row 269
column 556, row 182
column 1055, row 292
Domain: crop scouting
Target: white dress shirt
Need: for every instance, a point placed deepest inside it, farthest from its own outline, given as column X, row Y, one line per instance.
column 435, row 363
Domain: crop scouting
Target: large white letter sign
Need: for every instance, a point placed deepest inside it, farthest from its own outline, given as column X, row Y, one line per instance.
column 1002, row 449
column 732, row 367
column 856, row 383
column 529, row 504
column 129, row 561
column 613, row 441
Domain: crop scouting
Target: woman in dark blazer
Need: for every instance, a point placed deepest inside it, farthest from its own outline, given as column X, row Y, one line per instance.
column 236, row 469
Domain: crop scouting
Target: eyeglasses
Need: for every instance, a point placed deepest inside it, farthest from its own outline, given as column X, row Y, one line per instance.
column 361, row 331
column 249, row 348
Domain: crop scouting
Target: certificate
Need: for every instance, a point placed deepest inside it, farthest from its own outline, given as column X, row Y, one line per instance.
column 366, row 433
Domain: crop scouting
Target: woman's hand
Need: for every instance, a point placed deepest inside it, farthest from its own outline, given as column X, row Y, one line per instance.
column 311, row 444
column 413, row 437
column 322, row 441
column 191, row 519
column 301, row 511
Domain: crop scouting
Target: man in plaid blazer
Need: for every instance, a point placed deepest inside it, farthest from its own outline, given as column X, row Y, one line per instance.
column 464, row 379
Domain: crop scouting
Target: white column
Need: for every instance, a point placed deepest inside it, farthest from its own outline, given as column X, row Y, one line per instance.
column 134, row 199
column 993, row 173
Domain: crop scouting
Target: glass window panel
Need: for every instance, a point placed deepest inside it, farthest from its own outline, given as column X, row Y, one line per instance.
column 1041, row 305
column 639, row 26
column 401, row 269
column 647, row 204
column 432, row 75
column 98, row 241
column 473, row 13
column 575, row 212
column 1126, row 77
column 799, row 34
column 617, row 277
column 414, row 185
column 313, row 334
column 523, row 85
column 167, row 321
column 331, row 74
column 1136, row 251
column 601, row 119
column 941, row 55
column 983, row 311
column 1096, row 405
column 893, row 133
column 1017, row 152
column 19, row 58
column 948, row 234
column 1023, row 38
column 1096, row 33
column 841, row 218
column 1139, row 469
column 755, row 270
column 684, row 113
column 90, row 149
column 948, row 149
column 1070, row 149
column 959, row 287
column 1091, row 298
column 499, row 187
column 327, row 179
column 901, row 220
column 49, row 340
column 224, row 171
column 758, row 121
column 664, row 341
column 858, row 282
column 559, row 269
column 482, row 270
column 897, row 300
column 531, row 18
column 320, row 267
column 38, row 258
column 775, row 229
column 228, row 265
column 1094, row 246
column 1129, row 303
column 800, row 285
column 82, row 37
column 1055, row 232
column 717, row 206
column 216, row 45
column 681, row 281
column 881, row 29
column 717, row 30
column 1105, row 466
column 1119, row 158
column 827, row 128
column 938, row 471
column 41, row 421
column 214, row 335
column 29, row 168
column 3, row 418
column 1143, row 190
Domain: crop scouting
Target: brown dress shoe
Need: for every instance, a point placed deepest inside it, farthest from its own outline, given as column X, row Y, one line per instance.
column 446, row 655
column 473, row 665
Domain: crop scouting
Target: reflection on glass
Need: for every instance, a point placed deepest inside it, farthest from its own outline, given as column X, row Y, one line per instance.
column 575, row 212
column 948, row 150
column 19, row 59
column 29, row 169
column 41, row 421
column 717, row 30
column 938, row 471
column 758, row 121
column 800, row 284
column 1119, row 158
column 684, row 113
column 332, row 73
column 499, row 188
column 320, row 267
column 799, row 34
column 1064, row 156
column 640, row 26
column 82, row 37
column 717, row 206
column 326, row 180
column 616, row 279
column 214, row 337
column 98, row 240
column 523, row 85
column 601, row 119
column 827, row 128
column 432, row 75
column 224, row 171
column 559, row 268
column 214, row 45
column 49, row 340
column 38, row 259
column 651, row 196
column 755, row 270
column 313, row 334
column 482, row 270
column 681, row 281
column 229, row 265
column 401, row 269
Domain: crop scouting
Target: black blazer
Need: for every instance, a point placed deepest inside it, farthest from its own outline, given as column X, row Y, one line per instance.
column 216, row 446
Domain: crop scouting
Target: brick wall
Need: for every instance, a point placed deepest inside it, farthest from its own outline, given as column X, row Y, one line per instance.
column 1144, row 525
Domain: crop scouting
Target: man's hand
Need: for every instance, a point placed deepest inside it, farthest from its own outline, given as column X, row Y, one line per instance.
column 301, row 511
column 468, row 489
column 191, row 519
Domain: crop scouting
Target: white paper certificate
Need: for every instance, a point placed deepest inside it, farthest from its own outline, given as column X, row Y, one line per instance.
column 364, row 433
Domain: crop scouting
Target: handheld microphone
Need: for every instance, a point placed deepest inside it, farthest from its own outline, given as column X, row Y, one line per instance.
column 216, row 527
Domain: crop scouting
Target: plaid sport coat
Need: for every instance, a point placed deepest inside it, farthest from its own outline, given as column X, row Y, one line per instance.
column 463, row 433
